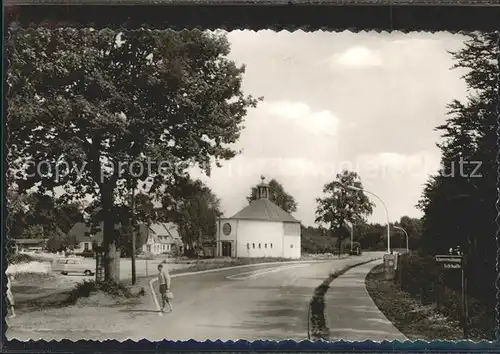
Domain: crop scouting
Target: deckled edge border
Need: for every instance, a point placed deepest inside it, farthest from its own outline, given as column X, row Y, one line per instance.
column 5, row 241
column 497, row 309
column 336, row 15
column 243, row 345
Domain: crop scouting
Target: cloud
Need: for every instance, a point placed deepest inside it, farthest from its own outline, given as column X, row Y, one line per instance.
column 322, row 122
column 357, row 57
column 377, row 96
column 392, row 165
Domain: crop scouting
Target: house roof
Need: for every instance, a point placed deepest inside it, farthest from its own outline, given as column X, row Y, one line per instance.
column 80, row 232
column 28, row 241
column 169, row 231
column 264, row 209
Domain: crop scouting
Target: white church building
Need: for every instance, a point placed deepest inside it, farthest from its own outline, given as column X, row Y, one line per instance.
column 262, row 229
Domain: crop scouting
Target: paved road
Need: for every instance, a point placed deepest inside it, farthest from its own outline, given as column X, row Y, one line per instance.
column 263, row 302
column 351, row 313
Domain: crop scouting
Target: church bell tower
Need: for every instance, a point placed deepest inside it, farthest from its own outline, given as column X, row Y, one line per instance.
column 263, row 189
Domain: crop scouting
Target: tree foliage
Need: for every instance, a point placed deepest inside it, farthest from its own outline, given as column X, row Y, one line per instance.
column 41, row 216
column 196, row 215
column 370, row 236
column 459, row 208
column 342, row 206
column 413, row 227
column 278, row 196
column 100, row 100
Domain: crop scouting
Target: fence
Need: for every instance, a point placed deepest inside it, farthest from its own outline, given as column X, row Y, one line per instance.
column 422, row 278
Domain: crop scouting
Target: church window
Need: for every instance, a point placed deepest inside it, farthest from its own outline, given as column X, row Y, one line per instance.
column 248, row 245
column 259, row 245
column 271, row 245
column 291, row 246
column 265, row 245
column 253, row 245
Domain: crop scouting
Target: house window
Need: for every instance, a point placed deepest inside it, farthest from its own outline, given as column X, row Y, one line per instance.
column 259, row 245
column 86, row 246
column 253, row 245
column 168, row 247
column 248, row 246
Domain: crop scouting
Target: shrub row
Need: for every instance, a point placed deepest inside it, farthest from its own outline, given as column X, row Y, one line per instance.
column 87, row 287
column 421, row 277
column 17, row 258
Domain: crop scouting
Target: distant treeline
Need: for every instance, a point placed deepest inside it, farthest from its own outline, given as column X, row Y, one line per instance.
column 370, row 236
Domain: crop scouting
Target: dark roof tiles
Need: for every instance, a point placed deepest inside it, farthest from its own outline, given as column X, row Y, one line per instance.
column 264, row 209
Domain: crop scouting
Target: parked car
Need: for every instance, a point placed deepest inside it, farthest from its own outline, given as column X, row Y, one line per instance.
column 71, row 265
column 86, row 254
column 356, row 249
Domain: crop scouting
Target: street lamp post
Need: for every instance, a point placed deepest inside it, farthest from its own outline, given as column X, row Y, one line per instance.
column 386, row 212
column 400, row 228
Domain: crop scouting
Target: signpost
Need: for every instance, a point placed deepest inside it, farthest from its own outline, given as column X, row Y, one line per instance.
column 449, row 262
column 390, row 266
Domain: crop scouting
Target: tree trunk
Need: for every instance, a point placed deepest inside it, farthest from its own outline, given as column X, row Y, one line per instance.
column 111, row 256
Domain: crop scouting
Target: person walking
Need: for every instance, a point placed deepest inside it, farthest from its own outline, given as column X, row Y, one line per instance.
column 164, row 284
column 10, row 296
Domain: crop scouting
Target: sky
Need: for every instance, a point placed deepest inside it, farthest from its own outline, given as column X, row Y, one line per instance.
column 367, row 102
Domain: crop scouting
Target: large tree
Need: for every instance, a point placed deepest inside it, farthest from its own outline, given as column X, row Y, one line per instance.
column 196, row 214
column 342, row 206
column 459, row 206
column 278, row 196
column 100, row 100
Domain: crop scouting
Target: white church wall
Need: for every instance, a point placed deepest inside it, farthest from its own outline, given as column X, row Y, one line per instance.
column 292, row 243
column 253, row 233
column 222, row 236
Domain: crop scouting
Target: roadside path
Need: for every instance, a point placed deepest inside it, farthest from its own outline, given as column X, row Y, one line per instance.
column 351, row 313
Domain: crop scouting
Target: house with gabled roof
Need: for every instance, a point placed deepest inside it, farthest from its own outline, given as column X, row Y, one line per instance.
column 163, row 238
column 261, row 229
column 84, row 238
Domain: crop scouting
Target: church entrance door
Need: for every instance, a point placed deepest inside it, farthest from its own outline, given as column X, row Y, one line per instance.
column 226, row 249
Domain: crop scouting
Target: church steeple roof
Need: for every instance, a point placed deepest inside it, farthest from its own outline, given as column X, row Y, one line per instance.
column 264, row 209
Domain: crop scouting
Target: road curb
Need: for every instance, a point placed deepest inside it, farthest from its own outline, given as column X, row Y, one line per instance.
column 319, row 329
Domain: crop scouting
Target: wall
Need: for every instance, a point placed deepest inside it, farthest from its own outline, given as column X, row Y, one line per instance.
column 156, row 248
column 81, row 247
column 222, row 237
column 292, row 244
column 252, row 233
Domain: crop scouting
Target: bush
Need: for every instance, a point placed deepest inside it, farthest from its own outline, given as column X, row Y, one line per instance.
column 17, row 258
column 421, row 277
column 88, row 287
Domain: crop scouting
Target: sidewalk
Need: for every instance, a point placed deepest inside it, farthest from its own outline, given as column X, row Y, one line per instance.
column 350, row 312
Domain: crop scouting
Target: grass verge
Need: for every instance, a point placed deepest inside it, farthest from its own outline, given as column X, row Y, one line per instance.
column 407, row 314
column 86, row 293
column 317, row 322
